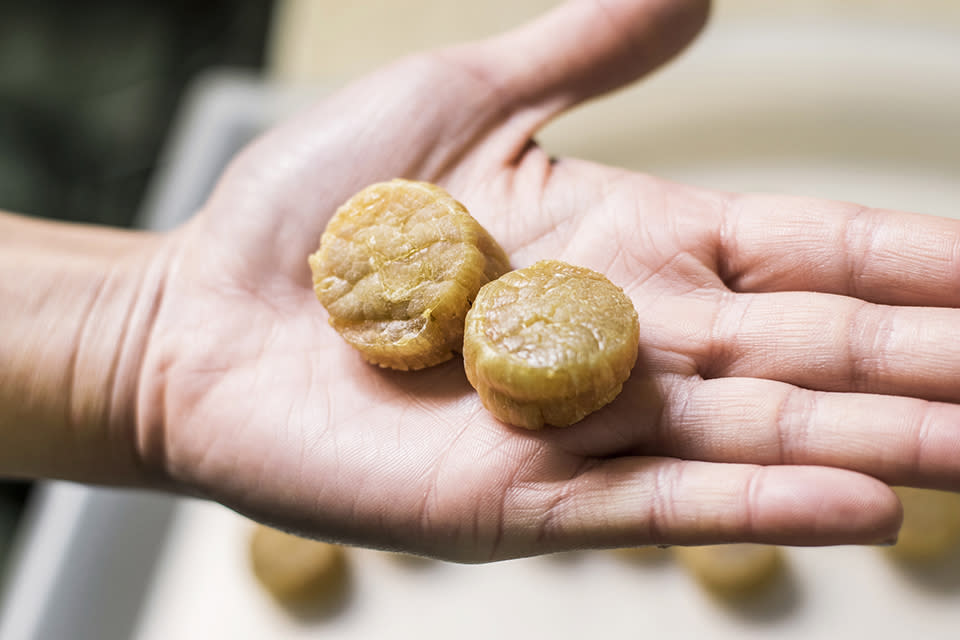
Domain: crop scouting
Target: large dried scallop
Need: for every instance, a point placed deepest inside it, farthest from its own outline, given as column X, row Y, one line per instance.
column 397, row 269
column 549, row 344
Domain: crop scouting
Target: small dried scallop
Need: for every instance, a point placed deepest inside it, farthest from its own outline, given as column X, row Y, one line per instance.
column 549, row 344
column 397, row 269
column 296, row 571
column 732, row 570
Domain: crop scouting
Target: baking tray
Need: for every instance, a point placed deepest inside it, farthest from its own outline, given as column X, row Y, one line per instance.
column 836, row 108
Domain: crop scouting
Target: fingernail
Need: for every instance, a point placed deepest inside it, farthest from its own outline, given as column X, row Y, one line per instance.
column 888, row 543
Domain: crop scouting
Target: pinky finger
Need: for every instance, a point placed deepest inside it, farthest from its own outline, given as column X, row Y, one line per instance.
column 636, row 501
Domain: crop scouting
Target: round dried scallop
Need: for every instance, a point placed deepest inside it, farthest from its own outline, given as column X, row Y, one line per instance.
column 295, row 570
column 397, row 269
column 732, row 570
column 549, row 344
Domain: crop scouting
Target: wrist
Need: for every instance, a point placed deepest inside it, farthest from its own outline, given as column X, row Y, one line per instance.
column 78, row 307
column 109, row 362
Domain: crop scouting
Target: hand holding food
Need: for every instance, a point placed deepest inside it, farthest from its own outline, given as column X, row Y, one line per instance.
column 791, row 346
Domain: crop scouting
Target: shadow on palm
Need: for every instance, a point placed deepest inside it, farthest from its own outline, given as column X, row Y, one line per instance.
column 443, row 395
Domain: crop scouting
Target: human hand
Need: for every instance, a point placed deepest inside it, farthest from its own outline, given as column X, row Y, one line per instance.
column 785, row 375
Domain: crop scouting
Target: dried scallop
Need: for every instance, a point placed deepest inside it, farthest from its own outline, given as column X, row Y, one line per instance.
column 296, row 570
column 397, row 269
column 549, row 344
column 732, row 570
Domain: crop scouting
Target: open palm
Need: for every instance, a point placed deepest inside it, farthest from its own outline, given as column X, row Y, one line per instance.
column 776, row 379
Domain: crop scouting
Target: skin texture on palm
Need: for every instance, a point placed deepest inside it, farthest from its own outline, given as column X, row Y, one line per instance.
column 773, row 386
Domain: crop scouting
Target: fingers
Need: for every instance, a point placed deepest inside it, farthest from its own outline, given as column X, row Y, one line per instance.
column 772, row 243
column 899, row 440
column 637, row 501
column 836, row 343
column 581, row 49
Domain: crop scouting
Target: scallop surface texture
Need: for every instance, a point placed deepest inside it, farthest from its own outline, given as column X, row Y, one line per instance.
column 549, row 344
column 397, row 269
column 294, row 570
column 931, row 525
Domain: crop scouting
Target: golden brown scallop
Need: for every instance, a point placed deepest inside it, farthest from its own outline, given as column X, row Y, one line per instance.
column 296, row 571
column 549, row 344
column 732, row 570
column 397, row 269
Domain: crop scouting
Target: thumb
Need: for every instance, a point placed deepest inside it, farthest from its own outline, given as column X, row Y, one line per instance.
column 579, row 50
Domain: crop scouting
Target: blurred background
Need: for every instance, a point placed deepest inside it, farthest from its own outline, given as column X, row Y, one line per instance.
column 88, row 92
column 124, row 114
